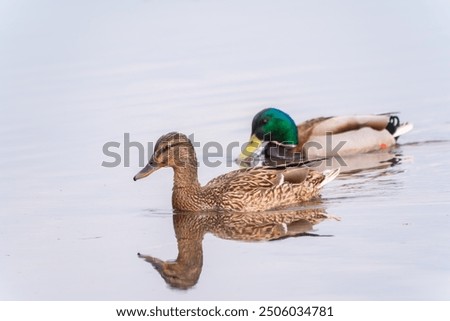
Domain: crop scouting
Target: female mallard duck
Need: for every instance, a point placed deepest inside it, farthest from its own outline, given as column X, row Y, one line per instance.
column 244, row 190
column 275, row 134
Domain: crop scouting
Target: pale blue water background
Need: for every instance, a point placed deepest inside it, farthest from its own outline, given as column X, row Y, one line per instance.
column 76, row 75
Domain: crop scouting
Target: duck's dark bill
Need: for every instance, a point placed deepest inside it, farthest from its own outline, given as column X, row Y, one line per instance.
column 147, row 170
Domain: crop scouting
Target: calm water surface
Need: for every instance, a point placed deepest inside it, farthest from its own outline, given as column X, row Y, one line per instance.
column 77, row 76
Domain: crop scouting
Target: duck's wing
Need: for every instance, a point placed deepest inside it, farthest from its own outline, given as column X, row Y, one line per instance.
column 342, row 124
column 306, row 128
column 269, row 177
column 351, row 134
column 259, row 177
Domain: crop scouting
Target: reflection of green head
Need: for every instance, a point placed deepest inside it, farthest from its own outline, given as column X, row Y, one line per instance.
column 274, row 125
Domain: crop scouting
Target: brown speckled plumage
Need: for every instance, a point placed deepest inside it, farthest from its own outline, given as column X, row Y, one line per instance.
column 244, row 190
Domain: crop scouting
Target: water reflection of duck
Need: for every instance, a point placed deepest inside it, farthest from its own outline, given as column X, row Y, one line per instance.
column 244, row 190
column 190, row 228
column 276, row 137
column 352, row 164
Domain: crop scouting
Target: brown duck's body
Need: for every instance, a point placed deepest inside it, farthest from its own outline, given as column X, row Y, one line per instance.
column 245, row 190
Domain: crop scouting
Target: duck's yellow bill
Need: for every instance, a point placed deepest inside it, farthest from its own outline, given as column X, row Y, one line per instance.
column 252, row 149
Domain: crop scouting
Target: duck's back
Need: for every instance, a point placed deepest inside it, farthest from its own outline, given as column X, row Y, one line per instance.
column 262, row 188
column 350, row 134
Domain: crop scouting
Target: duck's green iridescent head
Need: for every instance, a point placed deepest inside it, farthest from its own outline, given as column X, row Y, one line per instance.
column 270, row 125
column 274, row 125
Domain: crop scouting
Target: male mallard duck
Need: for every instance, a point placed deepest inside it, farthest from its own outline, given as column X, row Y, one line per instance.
column 244, row 190
column 275, row 133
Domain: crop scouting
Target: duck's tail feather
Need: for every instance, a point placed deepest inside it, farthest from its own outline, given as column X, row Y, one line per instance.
column 330, row 175
column 403, row 129
column 396, row 128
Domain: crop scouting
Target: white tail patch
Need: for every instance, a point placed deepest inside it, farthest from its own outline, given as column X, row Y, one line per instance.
column 281, row 180
column 403, row 129
column 330, row 175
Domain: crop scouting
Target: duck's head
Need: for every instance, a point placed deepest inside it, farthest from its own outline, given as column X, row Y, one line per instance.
column 270, row 125
column 171, row 150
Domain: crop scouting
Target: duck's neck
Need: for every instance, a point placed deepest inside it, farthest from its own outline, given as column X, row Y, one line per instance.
column 275, row 154
column 186, row 189
column 185, row 177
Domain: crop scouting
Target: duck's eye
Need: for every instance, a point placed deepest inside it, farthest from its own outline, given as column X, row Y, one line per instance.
column 265, row 121
column 164, row 149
